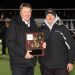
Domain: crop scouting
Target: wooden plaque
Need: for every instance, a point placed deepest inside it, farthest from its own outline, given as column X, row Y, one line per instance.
column 34, row 42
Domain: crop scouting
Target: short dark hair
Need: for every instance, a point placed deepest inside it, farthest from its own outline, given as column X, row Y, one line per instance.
column 25, row 5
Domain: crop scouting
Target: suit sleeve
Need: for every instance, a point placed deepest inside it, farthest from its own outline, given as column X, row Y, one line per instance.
column 11, row 41
column 71, row 43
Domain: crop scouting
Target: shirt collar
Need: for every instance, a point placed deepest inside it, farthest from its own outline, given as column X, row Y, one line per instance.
column 26, row 22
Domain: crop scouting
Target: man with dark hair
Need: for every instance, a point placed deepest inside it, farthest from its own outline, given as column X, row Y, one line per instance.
column 59, row 53
column 21, row 61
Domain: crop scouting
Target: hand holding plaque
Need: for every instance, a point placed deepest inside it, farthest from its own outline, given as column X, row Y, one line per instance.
column 34, row 42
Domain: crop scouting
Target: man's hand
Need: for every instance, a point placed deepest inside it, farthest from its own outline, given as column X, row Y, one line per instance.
column 69, row 67
column 28, row 55
column 44, row 45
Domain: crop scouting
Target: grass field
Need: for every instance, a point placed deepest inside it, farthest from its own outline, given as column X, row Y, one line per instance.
column 5, row 66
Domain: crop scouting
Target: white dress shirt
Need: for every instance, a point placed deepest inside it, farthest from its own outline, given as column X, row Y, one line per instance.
column 27, row 23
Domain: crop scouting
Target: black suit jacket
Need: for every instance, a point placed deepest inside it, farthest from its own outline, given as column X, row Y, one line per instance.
column 15, row 41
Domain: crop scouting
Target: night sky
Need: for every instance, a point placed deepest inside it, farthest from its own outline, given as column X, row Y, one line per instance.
column 38, row 3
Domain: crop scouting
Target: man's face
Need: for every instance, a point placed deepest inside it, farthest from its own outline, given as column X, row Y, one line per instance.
column 50, row 18
column 25, row 13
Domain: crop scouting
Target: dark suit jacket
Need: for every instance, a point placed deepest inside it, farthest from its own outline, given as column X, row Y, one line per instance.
column 15, row 41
